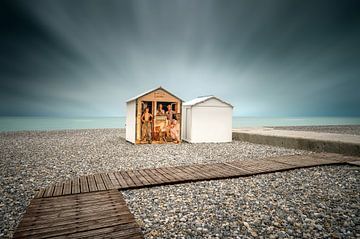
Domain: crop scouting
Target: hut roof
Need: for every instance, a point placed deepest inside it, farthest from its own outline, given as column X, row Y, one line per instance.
column 201, row 99
column 150, row 91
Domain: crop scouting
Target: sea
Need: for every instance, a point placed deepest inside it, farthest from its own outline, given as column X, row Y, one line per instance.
column 58, row 123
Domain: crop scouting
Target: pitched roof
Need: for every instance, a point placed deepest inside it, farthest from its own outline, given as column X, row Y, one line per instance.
column 201, row 99
column 152, row 90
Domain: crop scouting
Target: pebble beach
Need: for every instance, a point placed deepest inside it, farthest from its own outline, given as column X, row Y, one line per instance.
column 321, row 201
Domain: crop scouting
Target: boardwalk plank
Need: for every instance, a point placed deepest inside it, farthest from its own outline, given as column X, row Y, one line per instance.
column 58, row 189
column 127, row 179
column 84, row 186
column 156, row 176
column 114, row 181
column 121, row 180
column 134, row 178
column 75, row 186
column 194, row 173
column 49, row 191
column 179, row 175
column 67, row 187
column 204, row 175
column 151, row 180
column 200, row 170
column 40, row 193
column 128, row 230
column 92, row 183
column 107, row 181
column 99, row 182
column 166, row 174
column 183, row 173
column 141, row 178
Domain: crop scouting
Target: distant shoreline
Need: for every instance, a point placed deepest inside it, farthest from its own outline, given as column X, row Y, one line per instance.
column 338, row 129
column 14, row 124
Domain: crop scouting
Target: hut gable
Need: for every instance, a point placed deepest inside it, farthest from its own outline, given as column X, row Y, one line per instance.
column 207, row 101
column 160, row 94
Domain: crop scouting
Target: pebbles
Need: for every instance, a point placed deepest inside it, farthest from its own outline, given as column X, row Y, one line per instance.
column 316, row 202
column 31, row 160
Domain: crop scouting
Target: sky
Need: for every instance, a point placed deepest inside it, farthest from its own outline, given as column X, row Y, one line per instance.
column 85, row 58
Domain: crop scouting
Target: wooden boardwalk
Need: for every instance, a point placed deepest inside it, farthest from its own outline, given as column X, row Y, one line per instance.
column 92, row 215
column 92, row 206
column 180, row 174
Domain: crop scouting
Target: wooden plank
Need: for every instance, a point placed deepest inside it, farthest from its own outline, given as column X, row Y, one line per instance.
column 134, row 178
column 216, row 171
column 148, row 177
column 166, row 174
column 99, row 182
column 195, row 175
column 141, row 178
column 77, row 225
column 84, row 186
column 155, row 175
column 75, row 186
column 49, row 191
column 78, row 211
column 114, row 181
column 179, row 175
column 127, row 179
column 129, row 230
column 232, row 170
column 202, row 171
column 209, row 173
column 67, row 187
column 69, row 201
column 72, row 205
column 107, row 181
column 40, row 193
column 92, row 183
column 58, row 189
column 183, row 173
column 121, row 180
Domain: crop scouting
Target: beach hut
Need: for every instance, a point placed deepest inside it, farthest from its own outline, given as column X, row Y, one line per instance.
column 207, row 119
column 154, row 117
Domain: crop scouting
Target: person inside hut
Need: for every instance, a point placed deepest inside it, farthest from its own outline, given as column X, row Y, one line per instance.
column 146, row 120
column 174, row 132
column 170, row 114
column 160, row 110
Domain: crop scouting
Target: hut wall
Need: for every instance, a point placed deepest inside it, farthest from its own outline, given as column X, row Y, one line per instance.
column 130, row 121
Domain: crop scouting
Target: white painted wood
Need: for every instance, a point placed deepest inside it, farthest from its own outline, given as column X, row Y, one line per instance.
column 131, row 121
column 208, row 121
column 212, row 102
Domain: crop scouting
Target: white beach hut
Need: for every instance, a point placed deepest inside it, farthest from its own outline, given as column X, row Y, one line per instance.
column 207, row 119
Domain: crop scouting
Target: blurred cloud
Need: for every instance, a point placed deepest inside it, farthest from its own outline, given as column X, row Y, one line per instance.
column 268, row 58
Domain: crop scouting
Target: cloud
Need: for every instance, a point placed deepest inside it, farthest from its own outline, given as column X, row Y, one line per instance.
column 266, row 58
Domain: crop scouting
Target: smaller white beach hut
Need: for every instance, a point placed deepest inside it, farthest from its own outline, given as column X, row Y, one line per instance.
column 207, row 119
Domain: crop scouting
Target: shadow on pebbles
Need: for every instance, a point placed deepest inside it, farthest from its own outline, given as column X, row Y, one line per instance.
column 245, row 206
